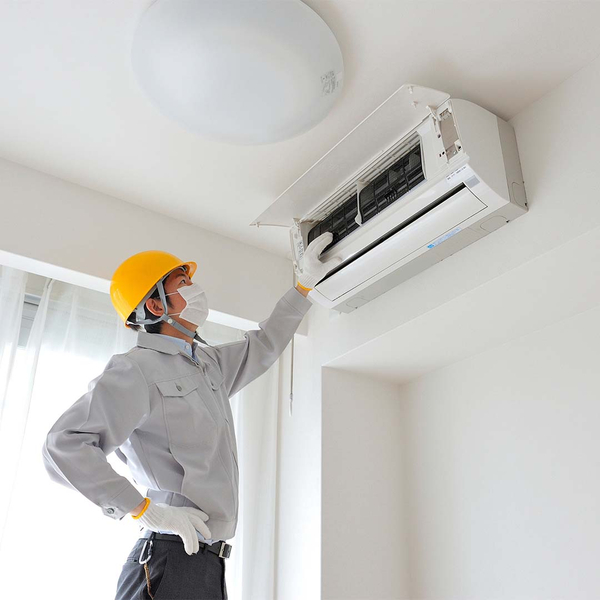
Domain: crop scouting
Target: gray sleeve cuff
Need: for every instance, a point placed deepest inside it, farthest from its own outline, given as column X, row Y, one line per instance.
column 297, row 300
column 123, row 503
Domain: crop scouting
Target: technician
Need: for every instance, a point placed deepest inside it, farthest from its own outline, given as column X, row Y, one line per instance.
column 164, row 408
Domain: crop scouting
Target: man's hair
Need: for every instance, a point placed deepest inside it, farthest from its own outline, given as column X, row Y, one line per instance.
column 153, row 327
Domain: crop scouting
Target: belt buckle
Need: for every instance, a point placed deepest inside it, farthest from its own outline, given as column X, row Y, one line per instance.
column 223, row 547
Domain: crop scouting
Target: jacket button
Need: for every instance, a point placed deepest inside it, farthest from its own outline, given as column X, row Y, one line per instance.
column 178, row 386
column 110, row 511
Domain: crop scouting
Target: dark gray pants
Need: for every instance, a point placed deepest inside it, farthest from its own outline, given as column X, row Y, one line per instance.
column 173, row 574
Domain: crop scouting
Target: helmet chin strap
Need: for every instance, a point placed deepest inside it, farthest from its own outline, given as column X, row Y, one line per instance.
column 168, row 319
column 165, row 316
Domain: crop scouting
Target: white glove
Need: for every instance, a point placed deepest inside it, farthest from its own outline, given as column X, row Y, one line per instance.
column 311, row 270
column 181, row 520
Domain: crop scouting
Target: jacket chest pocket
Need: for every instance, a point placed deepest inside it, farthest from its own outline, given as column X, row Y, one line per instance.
column 189, row 421
column 213, row 377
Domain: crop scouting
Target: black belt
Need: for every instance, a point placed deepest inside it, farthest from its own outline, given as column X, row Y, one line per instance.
column 222, row 549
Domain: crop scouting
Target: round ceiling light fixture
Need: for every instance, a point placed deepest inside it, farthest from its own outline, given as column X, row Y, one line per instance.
column 238, row 71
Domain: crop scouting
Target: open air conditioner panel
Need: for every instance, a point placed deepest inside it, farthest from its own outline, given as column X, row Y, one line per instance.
column 373, row 137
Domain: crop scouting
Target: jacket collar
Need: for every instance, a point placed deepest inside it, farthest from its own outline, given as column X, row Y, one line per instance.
column 147, row 340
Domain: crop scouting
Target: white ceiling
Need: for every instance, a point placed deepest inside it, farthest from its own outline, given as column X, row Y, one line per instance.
column 70, row 105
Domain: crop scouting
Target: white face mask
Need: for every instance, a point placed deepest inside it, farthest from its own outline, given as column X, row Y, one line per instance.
column 196, row 309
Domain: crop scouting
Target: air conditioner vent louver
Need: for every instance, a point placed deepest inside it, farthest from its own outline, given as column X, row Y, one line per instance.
column 404, row 175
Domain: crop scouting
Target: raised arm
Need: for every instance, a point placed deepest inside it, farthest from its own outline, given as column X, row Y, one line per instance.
column 243, row 361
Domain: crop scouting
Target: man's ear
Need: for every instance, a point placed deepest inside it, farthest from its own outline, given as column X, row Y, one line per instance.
column 154, row 305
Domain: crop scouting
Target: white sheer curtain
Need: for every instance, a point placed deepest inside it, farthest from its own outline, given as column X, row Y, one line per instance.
column 12, row 415
column 52, row 540
column 74, row 550
column 12, row 295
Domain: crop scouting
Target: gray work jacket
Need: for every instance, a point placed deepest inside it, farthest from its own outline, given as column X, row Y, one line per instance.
column 169, row 419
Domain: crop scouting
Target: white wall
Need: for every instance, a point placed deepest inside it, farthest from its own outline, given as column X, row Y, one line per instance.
column 298, row 536
column 557, row 138
column 502, row 470
column 85, row 232
column 363, row 545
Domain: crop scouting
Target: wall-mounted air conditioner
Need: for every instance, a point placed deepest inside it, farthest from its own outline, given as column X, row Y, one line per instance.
column 420, row 178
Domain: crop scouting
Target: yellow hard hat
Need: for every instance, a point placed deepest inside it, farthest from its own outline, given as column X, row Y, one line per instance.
column 134, row 278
